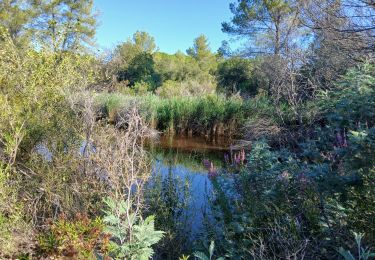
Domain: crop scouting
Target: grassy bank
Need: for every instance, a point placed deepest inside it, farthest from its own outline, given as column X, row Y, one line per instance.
column 211, row 115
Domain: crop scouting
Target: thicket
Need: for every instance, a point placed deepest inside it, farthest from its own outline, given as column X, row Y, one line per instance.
column 307, row 201
column 75, row 177
column 52, row 181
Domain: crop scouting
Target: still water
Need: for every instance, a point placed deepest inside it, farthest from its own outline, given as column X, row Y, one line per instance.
column 182, row 163
column 181, row 177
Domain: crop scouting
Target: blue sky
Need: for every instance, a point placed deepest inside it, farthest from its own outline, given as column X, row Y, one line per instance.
column 173, row 23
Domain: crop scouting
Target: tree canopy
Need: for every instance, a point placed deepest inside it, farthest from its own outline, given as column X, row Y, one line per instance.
column 268, row 24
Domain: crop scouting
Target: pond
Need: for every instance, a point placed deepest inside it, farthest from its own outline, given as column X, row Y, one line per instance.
column 197, row 195
column 181, row 191
column 182, row 182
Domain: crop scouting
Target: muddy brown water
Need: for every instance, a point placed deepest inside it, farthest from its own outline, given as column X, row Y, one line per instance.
column 193, row 144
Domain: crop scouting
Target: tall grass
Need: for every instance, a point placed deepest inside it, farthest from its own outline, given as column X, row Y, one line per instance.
column 210, row 115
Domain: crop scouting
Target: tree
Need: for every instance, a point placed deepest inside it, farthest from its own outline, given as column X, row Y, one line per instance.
column 66, row 25
column 15, row 15
column 224, row 50
column 142, row 42
column 134, row 60
column 141, row 68
column 343, row 35
column 268, row 24
column 141, row 45
column 235, row 74
column 201, row 52
column 350, row 22
column 201, row 49
column 177, row 67
column 277, row 36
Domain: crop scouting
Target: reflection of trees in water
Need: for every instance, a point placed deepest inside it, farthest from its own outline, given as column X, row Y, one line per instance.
column 191, row 160
column 168, row 198
column 178, row 195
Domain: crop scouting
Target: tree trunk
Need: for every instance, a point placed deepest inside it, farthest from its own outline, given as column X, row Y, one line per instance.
column 277, row 36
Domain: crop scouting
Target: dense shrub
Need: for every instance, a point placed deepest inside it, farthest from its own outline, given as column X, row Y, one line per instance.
column 35, row 90
column 306, row 202
column 236, row 75
column 79, row 238
column 189, row 88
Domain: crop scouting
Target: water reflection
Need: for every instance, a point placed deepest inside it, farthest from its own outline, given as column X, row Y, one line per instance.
column 181, row 190
column 199, row 190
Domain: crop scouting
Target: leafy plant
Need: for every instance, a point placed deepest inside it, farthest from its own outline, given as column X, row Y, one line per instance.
column 80, row 237
column 132, row 237
column 363, row 253
column 203, row 256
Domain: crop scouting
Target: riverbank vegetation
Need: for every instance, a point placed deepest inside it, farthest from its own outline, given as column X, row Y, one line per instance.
column 210, row 115
column 76, row 178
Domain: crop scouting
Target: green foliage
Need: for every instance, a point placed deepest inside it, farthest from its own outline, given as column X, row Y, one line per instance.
column 64, row 25
column 170, row 89
column 184, row 257
column 207, row 114
column 141, row 42
column 300, row 193
column 137, row 60
column 35, row 91
column 352, row 103
column 320, row 191
column 362, row 253
column 133, row 237
column 236, row 74
column 14, row 16
column 79, row 238
column 13, row 229
column 141, row 87
column 177, row 67
column 203, row 256
column 141, row 69
column 143, row 46
column 203, row 55
column 168, row 197
column 268, row 24
column 34, row 87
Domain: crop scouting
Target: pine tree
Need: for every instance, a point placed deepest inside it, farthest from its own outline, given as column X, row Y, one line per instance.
column 268, row 24
column 15, row 15
column 64, row 25
column 201, row 52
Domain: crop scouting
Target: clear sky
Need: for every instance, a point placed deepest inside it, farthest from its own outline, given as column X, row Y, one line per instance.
column 173, row 23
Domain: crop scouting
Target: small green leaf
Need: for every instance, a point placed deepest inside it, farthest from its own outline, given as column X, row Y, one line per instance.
column 201, row 256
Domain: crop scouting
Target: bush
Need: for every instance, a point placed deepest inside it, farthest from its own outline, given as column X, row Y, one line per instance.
column 236, row 75
column 36, row 87
column 80, row 237
column 14, row 231
column 304, row 200
column 190, row 88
